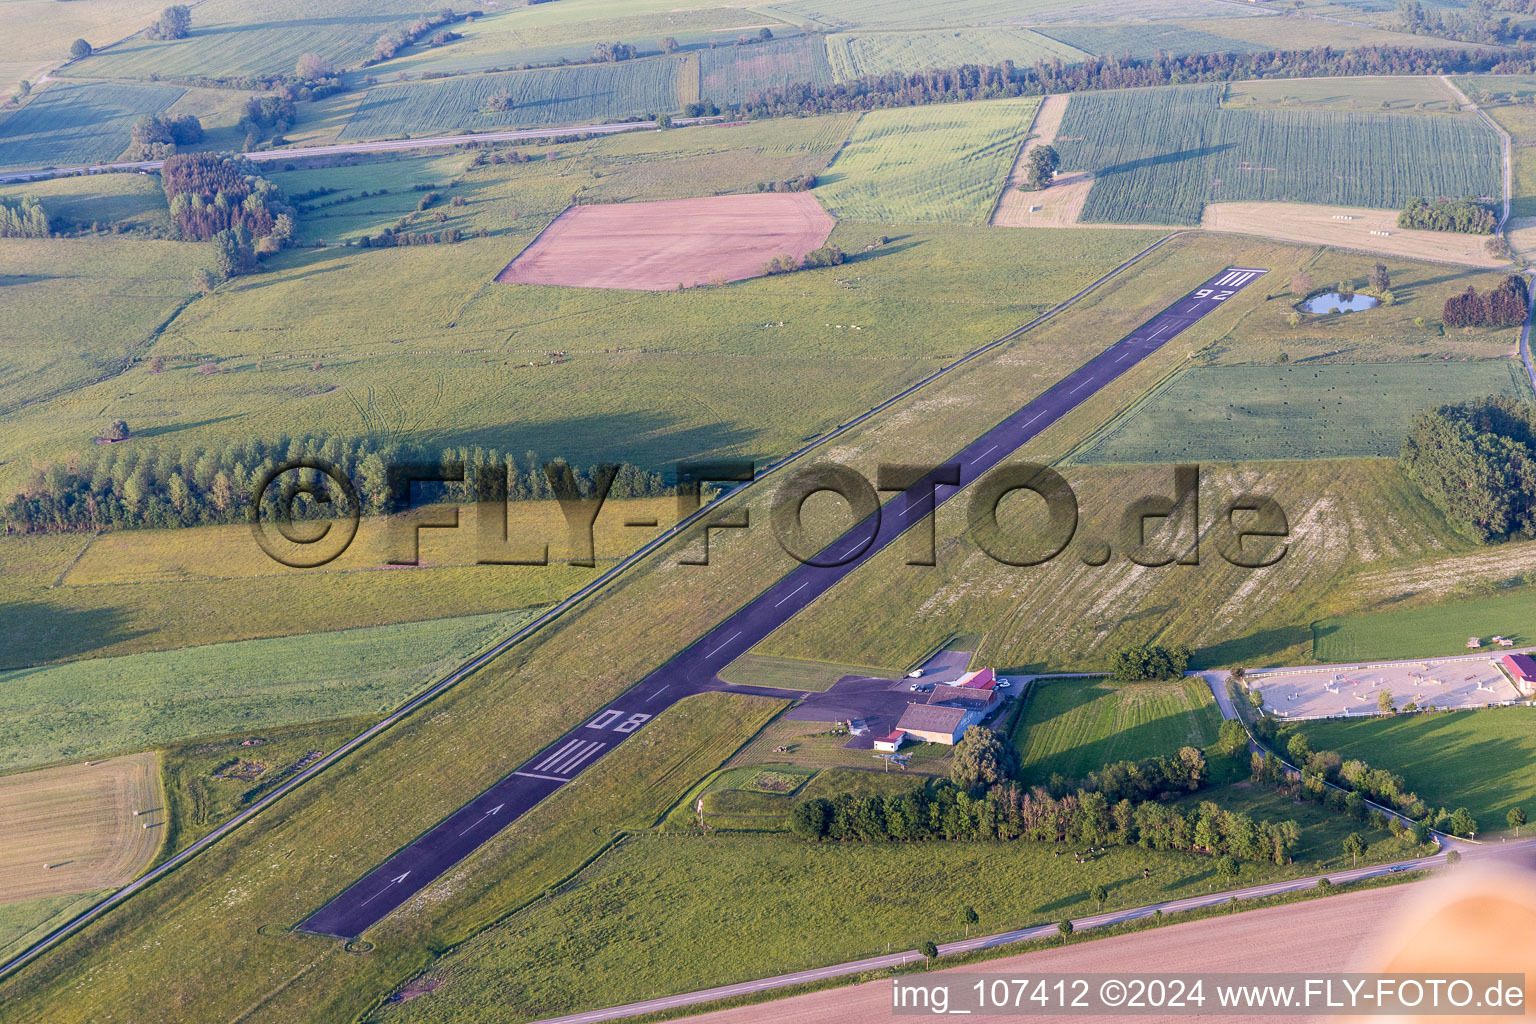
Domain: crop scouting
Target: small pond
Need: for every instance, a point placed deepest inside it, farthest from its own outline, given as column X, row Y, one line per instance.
column 1333, row 302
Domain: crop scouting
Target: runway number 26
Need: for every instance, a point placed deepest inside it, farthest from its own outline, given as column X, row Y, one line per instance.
column 607, row 718
column 1203, row 292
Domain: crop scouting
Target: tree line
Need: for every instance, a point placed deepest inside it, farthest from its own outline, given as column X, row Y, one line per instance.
column 1150, row 661
column 1476, row 462
column 1012, row 812
column 1464, row 215
column 1503, row 306
column 133, row 486
column 972, row 81
column 826, row 256
column 155, row 137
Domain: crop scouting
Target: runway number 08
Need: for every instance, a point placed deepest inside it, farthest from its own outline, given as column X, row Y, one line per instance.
column 607, row 718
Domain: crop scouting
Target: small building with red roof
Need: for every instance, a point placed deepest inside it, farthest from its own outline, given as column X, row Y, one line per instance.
column 1522, row 671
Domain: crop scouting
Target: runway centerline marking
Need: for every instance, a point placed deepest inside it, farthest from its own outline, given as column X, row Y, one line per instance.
column 723, row 646
column 791, row 594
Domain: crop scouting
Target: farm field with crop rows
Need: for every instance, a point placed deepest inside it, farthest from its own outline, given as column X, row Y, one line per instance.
column 1331, row 410
column 733, row 74
column 590, row 92
column 881, row 14
column 876, row 53
column 238, row 37
column 79, row 122
column 1075, row 726
column 1159, row 155
column 1146, row 40
column 914, row 164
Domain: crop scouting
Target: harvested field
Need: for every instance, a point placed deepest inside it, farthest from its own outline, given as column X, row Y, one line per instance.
column 658, row 246
column 79, row 820
column 1297, row 222
column 1287, row 934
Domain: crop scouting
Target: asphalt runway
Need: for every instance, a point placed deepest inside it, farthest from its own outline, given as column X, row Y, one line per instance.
column 693, row 670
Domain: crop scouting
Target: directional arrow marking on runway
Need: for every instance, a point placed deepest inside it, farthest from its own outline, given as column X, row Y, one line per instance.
column 386, row 889
column 488, row 814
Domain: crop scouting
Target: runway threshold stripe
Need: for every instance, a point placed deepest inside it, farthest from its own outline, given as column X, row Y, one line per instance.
column 571, row 766
column 536, row 775
column 555, row 756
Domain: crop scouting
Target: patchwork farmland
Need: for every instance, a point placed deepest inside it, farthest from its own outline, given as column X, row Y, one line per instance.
column 940, row 163
column 1330, row 410
column 583, row 93
column 1159, row 155
column 73, row 122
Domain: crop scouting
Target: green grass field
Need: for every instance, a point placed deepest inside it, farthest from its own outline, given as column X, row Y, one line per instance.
column 876, row 53
column 70, row 122
column 38, row 32
column 576, row 95
column 1330, row 410
column 87, row 708
column 1479, row 760
column 1159, row 155
column 1420, row 632
column 942, row 163
column 733, row 74
column 131, row 201
column 24, row 923
column 72, row 312
column 1074, row 726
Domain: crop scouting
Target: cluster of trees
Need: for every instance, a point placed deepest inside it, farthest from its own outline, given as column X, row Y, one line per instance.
column 391, row 43
column 223, row 198
column 24, row 218
column 612, row 53
column 1150, row 661
column 1476, row 462
column 804, row 183
column 703, row 108
column 155, row 137
column 1012, row 812
column 826, row 256
column 1479, row 22
column 1040, row 167
column 970, row 82
column 1504, row 306
column 391, row 237
column 1462, row 215
column 135, row 485
column 266, row 116
column 174, row 23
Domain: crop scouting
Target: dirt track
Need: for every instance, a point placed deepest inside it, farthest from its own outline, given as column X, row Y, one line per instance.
column 1322, row 935
column 657, row 246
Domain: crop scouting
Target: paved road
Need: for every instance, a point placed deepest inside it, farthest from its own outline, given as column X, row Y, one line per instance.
column 692, row 671
column 431, row 142
column 1521, row 850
